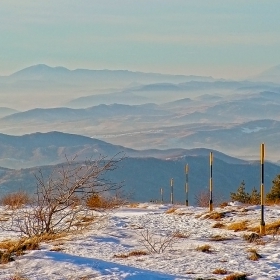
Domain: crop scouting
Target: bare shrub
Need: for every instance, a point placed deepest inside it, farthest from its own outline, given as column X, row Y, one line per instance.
column 55, row 209
column 157, row 244
column 15, row 200
column 202, row 198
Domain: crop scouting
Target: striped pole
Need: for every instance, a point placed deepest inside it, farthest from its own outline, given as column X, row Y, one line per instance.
column 161, row 195
column 262, row 223
column 172, row 195
column 187, row 184
column 211, row 186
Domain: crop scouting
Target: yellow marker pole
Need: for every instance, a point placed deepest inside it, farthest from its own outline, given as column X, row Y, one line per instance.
column 172, row 195
column 211, row 182
column 161, row 195
column 262, row 223
column 187, row 184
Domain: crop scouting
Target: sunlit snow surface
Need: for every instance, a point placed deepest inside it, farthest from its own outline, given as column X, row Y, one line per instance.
column 91, row 255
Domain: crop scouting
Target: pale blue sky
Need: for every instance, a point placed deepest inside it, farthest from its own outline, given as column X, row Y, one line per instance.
column 230, row 39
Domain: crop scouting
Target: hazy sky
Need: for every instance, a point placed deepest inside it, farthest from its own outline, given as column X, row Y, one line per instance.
column 236, row 38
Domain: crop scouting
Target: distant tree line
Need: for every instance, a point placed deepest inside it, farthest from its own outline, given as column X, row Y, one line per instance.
column 273, row 196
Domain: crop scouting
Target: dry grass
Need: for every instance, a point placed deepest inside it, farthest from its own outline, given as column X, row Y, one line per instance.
column 219, row 238
column 220, row 271
column 204, row 248
column 218, row 225
column 236, row 276
column 56, row 249
column 15, row 200
column 133, row 205
column 215, row 216
column 179, row 234
column 135, row 253
column 254, row 255
column 16, row 276
column 272, row 228
column 252, row 237
column 171, row 210
column 223, row 204
column 238, row 226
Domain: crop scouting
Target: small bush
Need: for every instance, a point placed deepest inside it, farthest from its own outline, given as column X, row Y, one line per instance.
column 15, row 200
column 99, row 202
column 220, row 271
column 204, row 248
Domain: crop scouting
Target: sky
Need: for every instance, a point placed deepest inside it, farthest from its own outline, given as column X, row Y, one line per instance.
column 219, row 38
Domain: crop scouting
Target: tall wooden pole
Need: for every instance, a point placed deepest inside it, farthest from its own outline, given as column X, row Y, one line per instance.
column 211, row 182
column 172, row 194
column 187, row 184
column 262, row 223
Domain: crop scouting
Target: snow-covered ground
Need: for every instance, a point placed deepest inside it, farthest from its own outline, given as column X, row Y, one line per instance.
column 93, row 254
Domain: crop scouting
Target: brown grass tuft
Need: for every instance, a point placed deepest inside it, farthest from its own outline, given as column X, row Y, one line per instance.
column 135, row 253
column 220, row 271
column 252, row 237
column 218, row 225
column 215, row 216
column 17, row 276
column 236, row 276
column 238, row 226
column 179, row 234
column 254, row 255
column 204, row 248
column 219, row 238
column 15, row 200
column 170, row 210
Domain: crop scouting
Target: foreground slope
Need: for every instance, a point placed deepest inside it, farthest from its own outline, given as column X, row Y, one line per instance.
column 101, row 253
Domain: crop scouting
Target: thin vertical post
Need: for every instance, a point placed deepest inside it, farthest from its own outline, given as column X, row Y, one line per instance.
column 262, row 223
column 172, row 194
column 210, row 183
column 161, row 195
column 187, row 184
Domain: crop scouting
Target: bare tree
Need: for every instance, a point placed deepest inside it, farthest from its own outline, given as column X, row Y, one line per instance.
column 54, row 208
column 157, row 244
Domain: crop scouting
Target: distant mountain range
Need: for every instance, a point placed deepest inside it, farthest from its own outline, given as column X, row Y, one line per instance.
column 143, row 177
column 42, row 72
column 143, row 172
column 37, row 149
column 270, row 75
